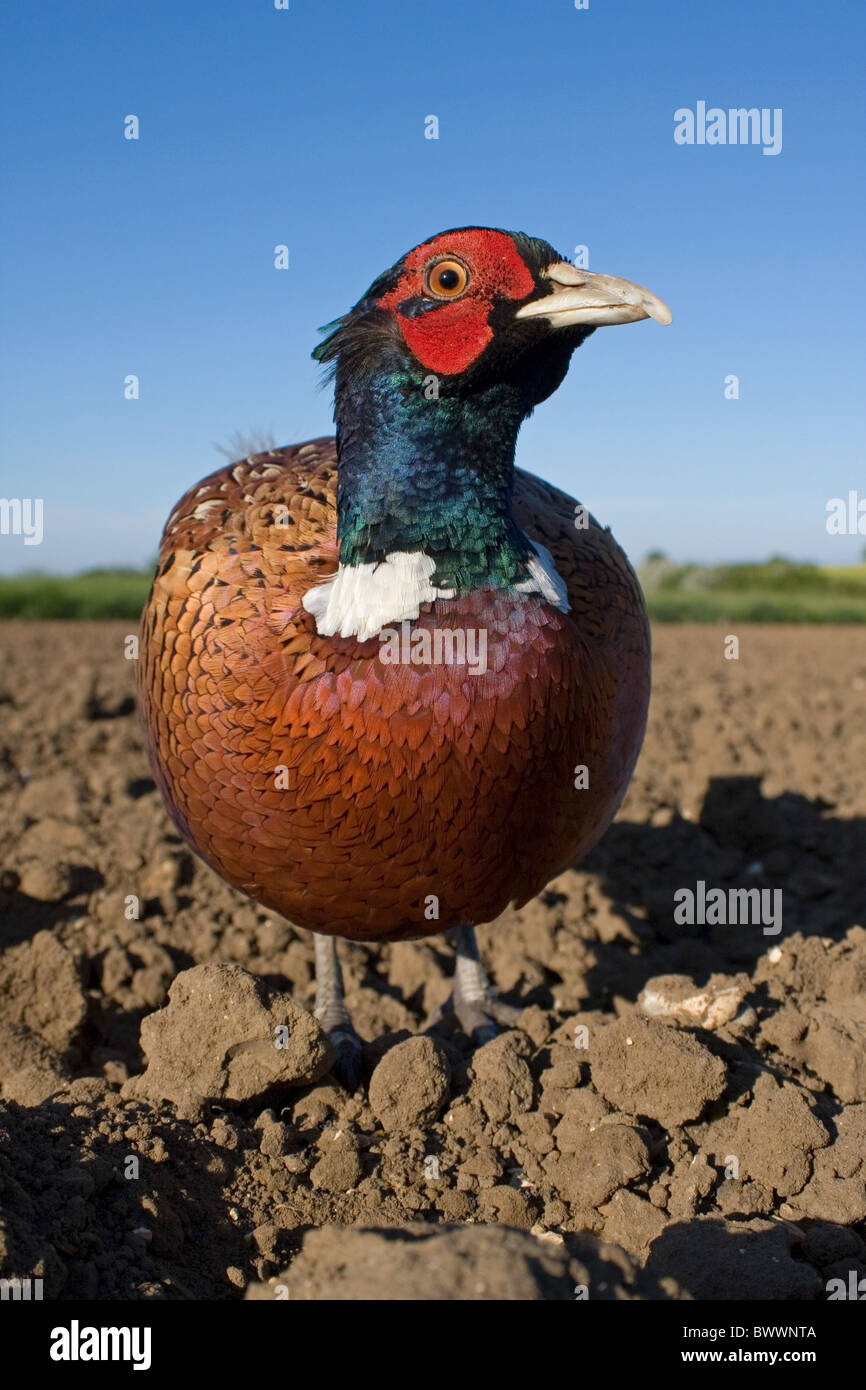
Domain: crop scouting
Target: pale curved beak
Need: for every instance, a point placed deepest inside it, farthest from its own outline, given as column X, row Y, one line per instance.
column 580, row 297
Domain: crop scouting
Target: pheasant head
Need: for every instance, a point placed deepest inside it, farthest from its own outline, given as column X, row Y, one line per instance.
column 435, row 369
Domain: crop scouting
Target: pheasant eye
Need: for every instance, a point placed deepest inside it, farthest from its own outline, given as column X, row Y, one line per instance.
column 446, row 279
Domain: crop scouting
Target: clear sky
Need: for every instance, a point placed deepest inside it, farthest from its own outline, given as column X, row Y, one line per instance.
column 305, row 126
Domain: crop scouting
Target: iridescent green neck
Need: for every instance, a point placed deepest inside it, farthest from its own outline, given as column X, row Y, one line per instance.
column 421, row 473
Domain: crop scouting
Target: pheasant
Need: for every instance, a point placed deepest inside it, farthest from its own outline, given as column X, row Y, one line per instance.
column 389, row 682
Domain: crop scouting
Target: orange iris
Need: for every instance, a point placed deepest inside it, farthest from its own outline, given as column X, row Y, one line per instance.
column 447, row 279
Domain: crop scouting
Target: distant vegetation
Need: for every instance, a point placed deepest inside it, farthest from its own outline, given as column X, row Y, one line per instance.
column 777, row 591
column 118, row 593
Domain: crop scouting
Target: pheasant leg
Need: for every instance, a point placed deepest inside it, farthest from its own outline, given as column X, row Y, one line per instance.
column 333, row 1015
column 477, row 1008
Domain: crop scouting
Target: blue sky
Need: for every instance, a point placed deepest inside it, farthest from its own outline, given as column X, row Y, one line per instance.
column 306, row 127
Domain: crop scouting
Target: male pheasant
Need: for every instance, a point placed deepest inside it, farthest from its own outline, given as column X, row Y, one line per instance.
column 390, row 683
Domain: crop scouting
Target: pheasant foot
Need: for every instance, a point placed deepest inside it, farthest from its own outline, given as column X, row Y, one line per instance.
column 477, row 1008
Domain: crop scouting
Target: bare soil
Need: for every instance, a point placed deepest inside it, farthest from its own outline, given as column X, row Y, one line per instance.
column 681, row 1112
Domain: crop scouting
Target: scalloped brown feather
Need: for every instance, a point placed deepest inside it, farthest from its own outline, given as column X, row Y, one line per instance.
column 352, row 796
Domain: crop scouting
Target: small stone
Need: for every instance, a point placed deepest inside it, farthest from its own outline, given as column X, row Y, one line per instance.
column 542, row 1233
column 678, row 998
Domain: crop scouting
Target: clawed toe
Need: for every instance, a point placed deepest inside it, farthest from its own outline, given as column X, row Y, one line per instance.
column 349, row 1061
column 480, row 1013
column 480, row 1019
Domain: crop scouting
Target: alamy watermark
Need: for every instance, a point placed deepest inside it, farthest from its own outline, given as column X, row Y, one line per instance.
column 846, row 517
column 20, row 1290
column 77, row 1343
column 424, row 646
column 22, row 516
column 702, row 906
column 740, row 125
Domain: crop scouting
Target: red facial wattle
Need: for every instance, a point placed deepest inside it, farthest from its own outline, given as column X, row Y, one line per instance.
column 447, row 339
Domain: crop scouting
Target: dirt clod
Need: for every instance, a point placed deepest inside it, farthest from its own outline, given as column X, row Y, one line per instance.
column 415, row 1263
column 645, row 1068
column 410, row 1084
column 503, row 1082
column 40, row 986
column 225, row 1036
